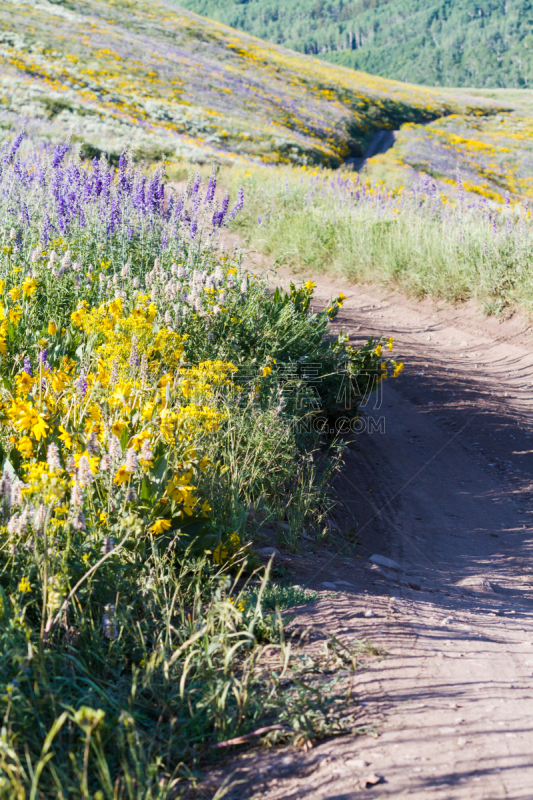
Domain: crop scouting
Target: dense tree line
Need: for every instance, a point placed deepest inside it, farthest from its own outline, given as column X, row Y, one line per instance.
column 446, row 43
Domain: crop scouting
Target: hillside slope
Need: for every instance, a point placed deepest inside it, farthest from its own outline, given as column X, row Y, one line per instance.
column 167, row 81
column 441, row 43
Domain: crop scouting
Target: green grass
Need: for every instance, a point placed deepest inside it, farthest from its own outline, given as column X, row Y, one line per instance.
column 451, row 247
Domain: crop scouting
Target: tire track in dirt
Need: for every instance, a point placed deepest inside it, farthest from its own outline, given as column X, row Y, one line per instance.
column 445, row 491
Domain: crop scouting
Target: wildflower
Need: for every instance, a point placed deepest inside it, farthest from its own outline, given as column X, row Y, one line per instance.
column 108, row 545
column 168, row 319
column 115, row 450
column 78, row 521
column 65, row 437
column 13, row 524
column 390, row 343
column 71, row 465
column 82, row 383
column 76, row 496
column 52, row 328
column 39, row 516
column 16, row 493
column 377, row 351
column 85, row 475
column 160, row 525
column 113, row 378
column 119, row 426
column 105, row 463
column 93, row 446
column 23, row 521
column 65, row 262
column 146, row 451
column 123, row 475
column 29, row 287
column 397, row 369
column 108, row 622
column 143, row 373
column 52, row 457
column 132, row 462
column 27, row 366
column 244, row 285
column 24, row 585
column 134, row 358
column 5, row 488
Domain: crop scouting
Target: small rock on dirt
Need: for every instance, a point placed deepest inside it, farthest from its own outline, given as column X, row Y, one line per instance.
column 383, row 561
column 369, row 613
column 371, row 780
column 476, row 584
column 328, row 585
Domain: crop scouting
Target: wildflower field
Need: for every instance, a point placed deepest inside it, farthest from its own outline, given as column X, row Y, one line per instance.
column 155, row 410
column 456, row 245
column 166, row 81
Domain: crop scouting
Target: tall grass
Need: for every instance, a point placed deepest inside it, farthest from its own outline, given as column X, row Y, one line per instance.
column 452, row 247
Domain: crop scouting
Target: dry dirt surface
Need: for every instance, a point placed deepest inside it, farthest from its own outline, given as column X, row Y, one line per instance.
column 443, row 486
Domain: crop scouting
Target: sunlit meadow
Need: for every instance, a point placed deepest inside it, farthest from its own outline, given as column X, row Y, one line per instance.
column 154, row 422
column 169, row 82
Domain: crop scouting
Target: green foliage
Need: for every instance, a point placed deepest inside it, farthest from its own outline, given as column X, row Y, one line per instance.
column 443, row 44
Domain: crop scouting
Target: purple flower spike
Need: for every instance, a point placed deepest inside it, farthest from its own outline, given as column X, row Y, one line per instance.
column 82, row 383
column 16, row 144
column 211, row 188
column 59, row 153
column 238, row 205
column 27, row 366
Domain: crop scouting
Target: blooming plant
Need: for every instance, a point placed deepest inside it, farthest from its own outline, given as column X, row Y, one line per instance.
column 151, row 395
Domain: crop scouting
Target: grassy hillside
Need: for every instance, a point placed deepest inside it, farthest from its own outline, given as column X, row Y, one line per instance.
column 167, row 81
column 445, row 43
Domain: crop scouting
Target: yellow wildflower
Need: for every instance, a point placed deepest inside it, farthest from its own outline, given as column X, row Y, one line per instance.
column 122, row 475
column 14, row 315
column 52, row 328
column 65, row 437
column 160, row 525
column 397, row 369
column 390, row 343
column 24, row 585
column 29, row 287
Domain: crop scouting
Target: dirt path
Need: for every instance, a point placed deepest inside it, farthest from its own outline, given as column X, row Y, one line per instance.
column 445, row 490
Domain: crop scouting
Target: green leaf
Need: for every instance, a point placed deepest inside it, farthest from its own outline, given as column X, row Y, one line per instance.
column 146, row 489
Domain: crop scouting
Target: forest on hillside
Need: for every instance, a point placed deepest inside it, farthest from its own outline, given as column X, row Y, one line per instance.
column 442, row 43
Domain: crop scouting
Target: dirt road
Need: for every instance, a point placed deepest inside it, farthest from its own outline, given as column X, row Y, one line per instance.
column 444, row 490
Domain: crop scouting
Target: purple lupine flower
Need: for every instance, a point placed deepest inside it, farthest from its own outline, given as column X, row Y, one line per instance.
column 42, row 360
column 82, row 383
column 196, row 185
column 211, row 188
column 59, row 153
column 238, row 205
column 27, row 366
column 14, row 147
column 219, row 216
